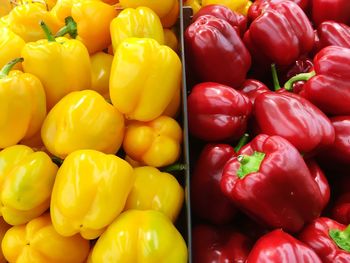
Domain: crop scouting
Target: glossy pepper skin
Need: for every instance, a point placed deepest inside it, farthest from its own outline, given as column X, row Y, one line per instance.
column 240, row 6
column 96, row 185
column 83, row 120
column 280, row 35
column 26, row 181
column 217, row 112
column 237, row 20
column 101, row 64
column 328, row 86
column 267, row 167
column 336, row 10
column 331, row 33
column 341, row 209
column 278, row 246
column 211, row 43
column 156, row 143
column 3, row 229
column 22, row 105
column 24, row 20
column 219, row 244
column 165, row 246
column 37, row 241
column 295, row 119
column 154, row 190
column 252, row 88
column 133, row 94
column 69, row 66
column 141, row 22
column 11, row 45
column 207, row 200
column 194, row 4
column 328, row 239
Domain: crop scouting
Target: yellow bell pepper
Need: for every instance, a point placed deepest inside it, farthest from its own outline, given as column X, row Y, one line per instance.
column 3, row 229
column 132, row 162
column 26, row 181
column 101, row 64
column 10, row 45
column 24, row 20
column 171, row 18
column 92, row 19
column 145, row 77
column 140, row 22
column 194, row 4
column 22, row 105
column 38, row 242
column 83, row 120
column 170, row 39
column 174, row 106
column 90, row 191
column 154, row 190
column 5, row 8
column 140, row 237
column 240, row 6
column 156, row 143
column 61, row 64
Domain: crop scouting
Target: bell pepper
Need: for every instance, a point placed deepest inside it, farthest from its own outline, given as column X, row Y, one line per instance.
column 90, row 191
column 134, row 94
column 38, row 242
column 216, row 52
column 219, row 244
column 140, row 236
column 141, row 22
column 341, row 209
column 173, row 107
column 101, row 64
column 154, row 190
column 295, row 119
column 83, row 120
column 92, row 19
column 325, row 10
column 328, row 238
column 328, row 85
column 5, row 7
column 26, row 181
column 217, row 112
column 170, row 39
column 240, row 6
column 331, row 33
column 280, row 35
column 22, row 105
column 3, row 229
column 196, row 5
column 24, row 20
column 236, row 20
column 172, row 17
column 253, row 88
column 270, row 167
column 278, row 246
column 61, row 64
column 207, row 200
column 11, row 46
column 156, row 143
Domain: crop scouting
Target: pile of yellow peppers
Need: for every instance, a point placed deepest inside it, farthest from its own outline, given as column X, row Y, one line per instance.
column 239, row 6
column 89, row 95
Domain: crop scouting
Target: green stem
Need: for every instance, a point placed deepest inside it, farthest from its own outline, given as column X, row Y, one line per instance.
column 57, row 160
column 276, row 83
column 341, row 238
column 174, row 168
column 249, row 163
column 299, row 77
column 6, row 69
column 70, row 28
column 242, row 141
column 47, row 32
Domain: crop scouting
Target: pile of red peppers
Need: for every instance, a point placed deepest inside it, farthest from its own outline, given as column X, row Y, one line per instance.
column 269, row 119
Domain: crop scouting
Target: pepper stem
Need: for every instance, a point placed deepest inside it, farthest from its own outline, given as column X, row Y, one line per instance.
column 341, row 238
column 300, row 77
column 57, row 160
column 6, row 69
column 174, row 168
column 47, row 32
column 249, row 164
column 70, row 28
column 276, row 83
column 242, row 141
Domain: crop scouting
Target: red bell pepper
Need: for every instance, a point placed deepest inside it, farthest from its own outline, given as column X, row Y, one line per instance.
column 336, row 10
column 281, row 34
column 270, row 181
column 341, row 209
column 253, row 88
column 217, row 112
column 216, row 52
column 295, row 119
column 329, row 239
column 219, row 244
column 328, row 86
column 280, row 247
column 236, row 20
column 331, row 33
